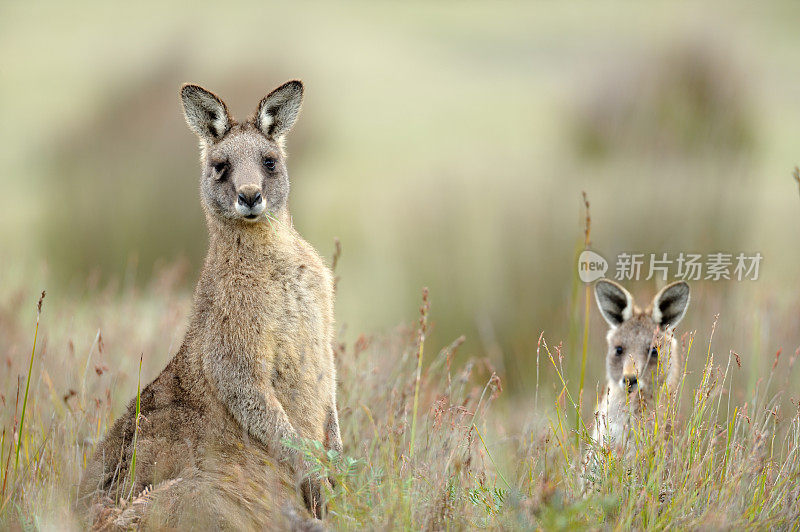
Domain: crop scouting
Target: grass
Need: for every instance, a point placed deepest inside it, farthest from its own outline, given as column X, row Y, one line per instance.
column 423, row 328
column 136, row 430
column 587, row 242
column 429, row 443
column 27, row 386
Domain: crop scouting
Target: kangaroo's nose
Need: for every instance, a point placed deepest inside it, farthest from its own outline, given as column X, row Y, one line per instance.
column 630, row 381
column 249, row 198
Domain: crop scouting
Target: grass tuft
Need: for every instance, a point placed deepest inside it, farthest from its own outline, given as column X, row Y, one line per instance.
column 432, row 441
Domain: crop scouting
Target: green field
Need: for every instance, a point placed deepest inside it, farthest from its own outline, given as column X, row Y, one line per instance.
column 444, row 146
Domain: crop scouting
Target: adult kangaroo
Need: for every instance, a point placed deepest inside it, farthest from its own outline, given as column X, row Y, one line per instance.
column 256, row 369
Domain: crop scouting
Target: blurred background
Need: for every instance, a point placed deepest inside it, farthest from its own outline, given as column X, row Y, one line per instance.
column 444, row 145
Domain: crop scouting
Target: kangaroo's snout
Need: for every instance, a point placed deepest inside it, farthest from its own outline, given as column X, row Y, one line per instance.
column 630, row 382
column 249, row 202
column 249, row 195
column 630, row 377
column 249, row 199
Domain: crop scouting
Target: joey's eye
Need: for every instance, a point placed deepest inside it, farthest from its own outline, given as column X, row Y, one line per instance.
column 269, row 163
column 220, row 169
column 654, row 352
column 618, row 350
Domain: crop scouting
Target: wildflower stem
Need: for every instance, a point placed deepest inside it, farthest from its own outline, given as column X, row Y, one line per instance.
column 423, row 323
column 586, row 243
column 491, row 458
column 28, row 382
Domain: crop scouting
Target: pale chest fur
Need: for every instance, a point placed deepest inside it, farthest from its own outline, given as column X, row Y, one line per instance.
column 273, row 307
column 617, row 418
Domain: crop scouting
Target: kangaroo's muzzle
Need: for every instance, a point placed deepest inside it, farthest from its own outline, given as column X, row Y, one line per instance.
column 630, row 377
column 250, row 202
column 630, row 382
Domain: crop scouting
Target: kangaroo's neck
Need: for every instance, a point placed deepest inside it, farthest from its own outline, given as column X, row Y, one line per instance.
column 241, row 258
column 621, row 400
column 239, row 244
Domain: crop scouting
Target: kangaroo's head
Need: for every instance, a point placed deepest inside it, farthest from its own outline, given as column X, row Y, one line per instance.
column 244, row 168
column 641, row 343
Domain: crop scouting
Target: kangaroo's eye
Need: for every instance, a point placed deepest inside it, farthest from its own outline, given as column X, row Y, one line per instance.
column 220, row 169
column 654, row 352
column 269, row 163
column 619, row 350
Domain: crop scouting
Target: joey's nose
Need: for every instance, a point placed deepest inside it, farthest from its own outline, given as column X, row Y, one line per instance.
column 249, row 198
column 630, row 382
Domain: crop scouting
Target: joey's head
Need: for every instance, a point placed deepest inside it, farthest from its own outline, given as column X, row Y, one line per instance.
column 641, row 345
column 244, row 177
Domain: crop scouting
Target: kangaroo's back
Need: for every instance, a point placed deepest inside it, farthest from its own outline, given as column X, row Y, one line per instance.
column 195, row 464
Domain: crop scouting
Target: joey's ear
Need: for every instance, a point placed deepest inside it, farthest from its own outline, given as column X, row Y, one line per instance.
column 669, row 305
column 615, row 303
column 278, row 110
column 205, row 114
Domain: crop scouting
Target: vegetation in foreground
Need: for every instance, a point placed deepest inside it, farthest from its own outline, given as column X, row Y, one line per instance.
column 430, row 443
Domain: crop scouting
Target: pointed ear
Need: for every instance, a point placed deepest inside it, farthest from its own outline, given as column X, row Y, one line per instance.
column 669, row 305
column 278, row 110
column 205, row 114
column 615, row 303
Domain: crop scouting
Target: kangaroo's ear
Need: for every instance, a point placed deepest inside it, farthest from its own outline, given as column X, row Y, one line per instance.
column 205, row 114
column 669, row 305
column 278, row 110
column 615, row 303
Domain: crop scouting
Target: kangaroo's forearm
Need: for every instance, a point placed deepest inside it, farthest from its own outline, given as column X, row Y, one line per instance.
column 257, row 410
column 263, row 417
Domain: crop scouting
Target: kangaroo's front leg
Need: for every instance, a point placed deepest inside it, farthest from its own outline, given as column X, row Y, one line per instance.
column 333, row 437
column 255, row 406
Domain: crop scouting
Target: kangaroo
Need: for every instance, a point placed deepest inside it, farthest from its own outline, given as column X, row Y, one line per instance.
column 642, row 355
column 256, row 368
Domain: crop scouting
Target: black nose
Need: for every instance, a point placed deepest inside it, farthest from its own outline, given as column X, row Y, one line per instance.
column 630, row 381
column 249, row 200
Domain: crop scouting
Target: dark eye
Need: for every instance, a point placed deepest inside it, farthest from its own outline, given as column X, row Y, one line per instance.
column 220, row 169
column 269, row 163
column 654, row 352
column 619, row 350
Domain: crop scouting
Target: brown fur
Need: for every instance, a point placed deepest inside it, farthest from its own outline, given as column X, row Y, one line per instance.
column 256, row 366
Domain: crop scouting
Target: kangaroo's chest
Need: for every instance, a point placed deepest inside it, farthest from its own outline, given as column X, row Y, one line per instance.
column 617, row 418
column 293, row 343
column 282, row 308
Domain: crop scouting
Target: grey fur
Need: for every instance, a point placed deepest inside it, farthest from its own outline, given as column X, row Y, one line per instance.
column 256, row 367
column 205, row 113
column 633, row 369
column 278, row 111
